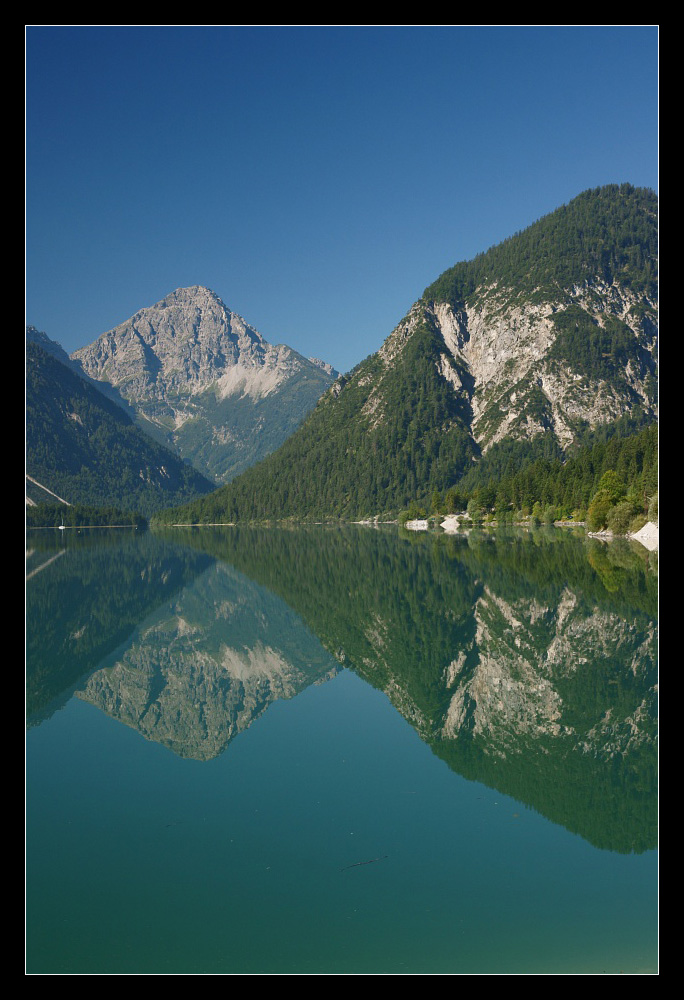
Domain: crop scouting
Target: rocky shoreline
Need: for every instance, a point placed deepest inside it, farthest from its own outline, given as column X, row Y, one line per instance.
column 452, row 523
column 648, row 536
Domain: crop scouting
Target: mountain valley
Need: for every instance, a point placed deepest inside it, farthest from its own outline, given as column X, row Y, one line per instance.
column 540, row 346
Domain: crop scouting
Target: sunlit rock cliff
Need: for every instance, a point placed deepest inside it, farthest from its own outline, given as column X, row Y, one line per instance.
column 201, row 378
column 506, row 358
column 533, row 345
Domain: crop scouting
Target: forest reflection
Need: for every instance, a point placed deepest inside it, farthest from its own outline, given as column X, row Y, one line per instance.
column 526, row 661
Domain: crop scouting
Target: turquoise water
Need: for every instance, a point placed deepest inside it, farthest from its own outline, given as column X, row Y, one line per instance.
column 220, row 787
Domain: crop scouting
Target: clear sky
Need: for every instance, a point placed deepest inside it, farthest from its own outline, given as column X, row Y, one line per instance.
column 316, row 178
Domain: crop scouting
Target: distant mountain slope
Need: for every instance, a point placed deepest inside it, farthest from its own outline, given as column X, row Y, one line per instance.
column 36, row 494
column 205, row 382
column 558, row 324
column 547, row 335
column 81, row 446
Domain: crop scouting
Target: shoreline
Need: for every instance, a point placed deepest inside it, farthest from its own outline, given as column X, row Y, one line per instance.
column 452, row 523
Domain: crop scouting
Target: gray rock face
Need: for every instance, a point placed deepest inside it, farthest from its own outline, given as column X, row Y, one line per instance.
column 207, row 665
column 523, row 656
column 186, row 342
column 503, row 358
column 509, row 349
column 189, row 360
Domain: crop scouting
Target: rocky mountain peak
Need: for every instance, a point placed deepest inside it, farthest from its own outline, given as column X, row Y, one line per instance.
column 35, row 336
column 187, row 339
column 189, row 359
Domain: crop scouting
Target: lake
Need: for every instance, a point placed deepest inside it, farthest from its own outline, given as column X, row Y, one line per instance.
column 340, row 750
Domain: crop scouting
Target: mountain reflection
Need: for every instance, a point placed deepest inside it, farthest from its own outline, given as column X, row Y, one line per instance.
column 526, row 662
column 85, row 593
column 208, row 664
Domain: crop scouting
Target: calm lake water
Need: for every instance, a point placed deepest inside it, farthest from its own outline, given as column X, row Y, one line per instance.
column 340, row 751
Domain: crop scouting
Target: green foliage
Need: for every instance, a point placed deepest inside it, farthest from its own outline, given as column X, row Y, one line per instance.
column 500, row 464
column 548, row 485
column 536, row 515
column 599, row 509
column 413, row 513
column 598, row 350
column 620, row 517
column 549, row 514
column 46, row 515
column 257, row 427
column 390, row 434
column 606, row 234
column 637, row 523
column 427, row 598
column 611, row 484
column 474, row 510
column 85, row 448
column 380, row 439
column 613, row 506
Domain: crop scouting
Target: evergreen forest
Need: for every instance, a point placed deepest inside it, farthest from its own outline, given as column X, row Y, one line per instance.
column 87, row 450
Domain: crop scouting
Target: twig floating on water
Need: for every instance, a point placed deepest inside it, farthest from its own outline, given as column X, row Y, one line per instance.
column 358, row 863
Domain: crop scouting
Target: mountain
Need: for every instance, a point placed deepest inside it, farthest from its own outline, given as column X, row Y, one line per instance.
column 51, row 347
column 206, row 665
column 530, row 667
column 527, row 661
column 544, row 337
column 83, row 606
column 203, row 381
column 81, row 447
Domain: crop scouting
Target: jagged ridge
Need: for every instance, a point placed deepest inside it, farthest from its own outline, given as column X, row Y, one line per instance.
column 200, row 378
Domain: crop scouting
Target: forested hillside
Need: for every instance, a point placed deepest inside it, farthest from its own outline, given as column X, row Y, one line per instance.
column 602, row 236
column 522, row 354
column 83, row 447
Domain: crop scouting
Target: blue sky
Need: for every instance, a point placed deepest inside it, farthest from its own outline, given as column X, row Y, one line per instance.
column 316, row 178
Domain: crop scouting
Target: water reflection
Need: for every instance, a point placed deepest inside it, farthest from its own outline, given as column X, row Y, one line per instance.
column 526, row 662
column 85, row 593
column 207, row 664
